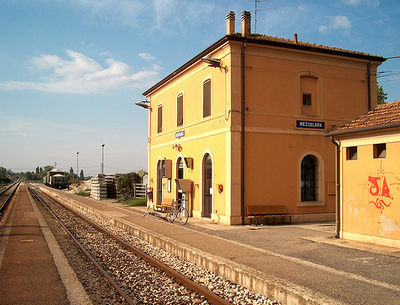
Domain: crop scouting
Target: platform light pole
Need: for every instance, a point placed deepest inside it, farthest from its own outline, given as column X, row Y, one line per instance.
column 102, row 158
column 77, row 168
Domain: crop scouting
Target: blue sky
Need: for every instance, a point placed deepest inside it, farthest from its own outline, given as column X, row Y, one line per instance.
column 71, row 70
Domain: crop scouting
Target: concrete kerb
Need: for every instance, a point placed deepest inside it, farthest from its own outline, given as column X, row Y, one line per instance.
column 256, row 281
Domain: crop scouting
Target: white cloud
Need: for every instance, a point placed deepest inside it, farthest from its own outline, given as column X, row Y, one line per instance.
column 146, row 56
column 323, row 29
column 336, row 23
column 83, row 75
column 160, row 15
column 351, row 2
column 371, row 3
column 340, row 22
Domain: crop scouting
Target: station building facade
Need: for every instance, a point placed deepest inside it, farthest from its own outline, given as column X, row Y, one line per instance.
column 244, row 122
column 369, row 176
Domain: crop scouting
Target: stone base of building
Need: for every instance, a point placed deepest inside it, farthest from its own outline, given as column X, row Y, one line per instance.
column 237, row 220
column 371, row 239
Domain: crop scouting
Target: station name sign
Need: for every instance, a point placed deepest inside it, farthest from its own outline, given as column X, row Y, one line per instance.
column 310, row 124
column 179, row 134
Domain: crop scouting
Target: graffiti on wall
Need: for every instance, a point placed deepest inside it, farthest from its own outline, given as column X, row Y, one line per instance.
column 379, row 188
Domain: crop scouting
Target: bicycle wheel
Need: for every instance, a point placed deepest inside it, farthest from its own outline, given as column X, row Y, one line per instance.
column 171, row 215
column 183, row 216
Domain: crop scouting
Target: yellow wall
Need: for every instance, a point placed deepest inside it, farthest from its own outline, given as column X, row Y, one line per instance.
column 210, row 135
column 371, row 190
column 275, row 79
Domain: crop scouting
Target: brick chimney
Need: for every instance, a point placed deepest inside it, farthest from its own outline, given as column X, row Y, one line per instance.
column 230, row 23
column 246, row 23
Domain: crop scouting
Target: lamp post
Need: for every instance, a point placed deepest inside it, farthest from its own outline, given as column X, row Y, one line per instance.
column 77, row 168
column 102, row 158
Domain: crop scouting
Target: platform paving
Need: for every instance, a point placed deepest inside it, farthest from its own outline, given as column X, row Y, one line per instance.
column 33, row 269
column 298, row 263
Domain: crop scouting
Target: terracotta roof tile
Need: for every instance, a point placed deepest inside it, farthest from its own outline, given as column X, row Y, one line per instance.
column 307, row 44
column 383, row 114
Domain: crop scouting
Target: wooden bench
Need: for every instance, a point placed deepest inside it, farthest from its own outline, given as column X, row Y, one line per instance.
column 165, row 205
column 268, row 211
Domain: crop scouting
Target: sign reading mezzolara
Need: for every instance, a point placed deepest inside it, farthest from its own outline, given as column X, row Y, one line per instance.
column 310, row 124
column 179, row 134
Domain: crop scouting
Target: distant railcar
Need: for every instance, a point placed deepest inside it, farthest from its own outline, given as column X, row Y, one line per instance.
column 56, row 179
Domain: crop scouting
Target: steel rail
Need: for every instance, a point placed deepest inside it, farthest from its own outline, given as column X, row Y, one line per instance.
column 3, row 205
column 102, row 271
column 209, row 295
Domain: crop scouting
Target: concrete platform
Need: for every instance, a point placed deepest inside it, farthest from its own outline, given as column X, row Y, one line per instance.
column 33, row 269
column 294, row 264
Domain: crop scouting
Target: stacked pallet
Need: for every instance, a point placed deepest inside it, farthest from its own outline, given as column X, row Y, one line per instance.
column 98, row 190
column 105, row 187
column 117, row 176
column 111, row 189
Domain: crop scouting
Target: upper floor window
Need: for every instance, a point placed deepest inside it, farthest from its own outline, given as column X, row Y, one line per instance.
column 307, row 99
column 310, row 96
column 207, row 98
column 351, row 153
column 380, row 150
column 159, row 119
column 179, row 110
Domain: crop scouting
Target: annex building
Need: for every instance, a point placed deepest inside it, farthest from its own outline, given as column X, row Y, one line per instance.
column 369, row 176
column 242, row 124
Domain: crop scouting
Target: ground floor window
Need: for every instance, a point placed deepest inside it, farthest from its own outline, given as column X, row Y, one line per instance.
column 308, row 178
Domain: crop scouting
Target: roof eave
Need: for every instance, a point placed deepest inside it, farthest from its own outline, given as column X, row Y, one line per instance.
column 362, row 130
column 199, row 56
column 237, row 37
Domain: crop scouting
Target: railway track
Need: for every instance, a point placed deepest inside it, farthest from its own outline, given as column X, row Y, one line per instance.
column 5, row 198
column 135, row 275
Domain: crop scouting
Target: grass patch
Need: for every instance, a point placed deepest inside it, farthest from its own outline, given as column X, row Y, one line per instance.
column 138, row 202
column 83, row 193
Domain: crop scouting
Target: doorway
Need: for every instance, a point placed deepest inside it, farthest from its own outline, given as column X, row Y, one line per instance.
column 180, row 170
column 159, row 182
column 207, row 186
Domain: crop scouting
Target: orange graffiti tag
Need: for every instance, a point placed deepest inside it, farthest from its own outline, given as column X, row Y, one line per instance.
column 380, row 190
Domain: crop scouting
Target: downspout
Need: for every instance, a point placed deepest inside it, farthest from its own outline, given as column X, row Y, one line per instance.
column 369, row 84
column 337, row 187
column 243, row 127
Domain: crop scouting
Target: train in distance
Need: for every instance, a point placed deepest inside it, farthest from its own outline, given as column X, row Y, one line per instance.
column 56, row 179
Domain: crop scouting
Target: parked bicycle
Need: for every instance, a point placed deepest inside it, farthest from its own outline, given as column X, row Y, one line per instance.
column 178, row 211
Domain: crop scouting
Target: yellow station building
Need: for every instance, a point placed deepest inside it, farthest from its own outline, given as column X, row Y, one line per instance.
column 369, row 176
column 243, row 123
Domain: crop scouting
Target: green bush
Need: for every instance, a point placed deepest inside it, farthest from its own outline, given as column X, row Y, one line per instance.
column 83, row 193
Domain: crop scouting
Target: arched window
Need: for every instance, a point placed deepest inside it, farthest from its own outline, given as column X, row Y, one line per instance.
column 308, row 178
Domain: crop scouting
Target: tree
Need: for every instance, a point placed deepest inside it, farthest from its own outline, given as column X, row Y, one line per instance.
column 81, row 176
column 126, row 183
column 71, row 170
column 141, row 173
column 28, row 176
column 382, row 96
column 47, row 168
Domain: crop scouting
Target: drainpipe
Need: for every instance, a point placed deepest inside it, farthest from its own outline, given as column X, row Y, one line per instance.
column 243, row 126
column 337, row 187
column 369, row 84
